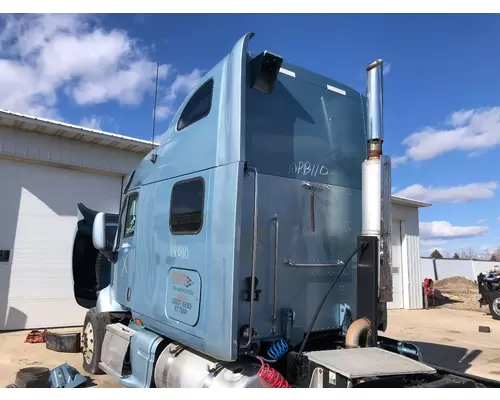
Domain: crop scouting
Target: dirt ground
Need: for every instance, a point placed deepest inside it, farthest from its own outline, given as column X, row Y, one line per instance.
column 450, row 338
column 447, row 337
column 15, row 354
column 457, row 293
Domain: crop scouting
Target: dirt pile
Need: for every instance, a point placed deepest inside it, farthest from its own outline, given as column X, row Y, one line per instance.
column 456, row 283
column 458, row 293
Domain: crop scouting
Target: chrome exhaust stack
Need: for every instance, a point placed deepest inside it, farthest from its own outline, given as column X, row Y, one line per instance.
column 376, row 178
column 372, row 171
column 374, row 92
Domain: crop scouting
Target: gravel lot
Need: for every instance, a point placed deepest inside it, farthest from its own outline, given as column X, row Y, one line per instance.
column 446, row 336
column 15, row 354
column 449, row 338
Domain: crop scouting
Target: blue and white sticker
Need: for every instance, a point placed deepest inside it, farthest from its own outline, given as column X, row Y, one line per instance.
column 183, row 296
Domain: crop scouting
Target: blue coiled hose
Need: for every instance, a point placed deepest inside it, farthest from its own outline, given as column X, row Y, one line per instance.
column 277, row 350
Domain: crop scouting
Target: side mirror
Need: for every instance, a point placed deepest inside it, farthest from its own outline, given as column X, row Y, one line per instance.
column 104, row 232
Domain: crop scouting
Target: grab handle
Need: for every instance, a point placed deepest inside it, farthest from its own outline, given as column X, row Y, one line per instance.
column 298, row 265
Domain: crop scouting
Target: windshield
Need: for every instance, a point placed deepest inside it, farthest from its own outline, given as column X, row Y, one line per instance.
column 306, row 131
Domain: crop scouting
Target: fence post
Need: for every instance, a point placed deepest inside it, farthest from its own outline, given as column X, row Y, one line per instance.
column 434, row 264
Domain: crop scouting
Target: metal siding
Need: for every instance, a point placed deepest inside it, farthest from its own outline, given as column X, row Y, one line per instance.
column 414, row 273
column 412, row 278
column 397, row 262
column 447, row 268
column 427, row 269
column 58, row 151
column 38, row 217
column 28, row 123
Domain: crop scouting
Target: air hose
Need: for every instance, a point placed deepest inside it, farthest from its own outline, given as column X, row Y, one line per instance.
column 363, row 246
column 271, row 376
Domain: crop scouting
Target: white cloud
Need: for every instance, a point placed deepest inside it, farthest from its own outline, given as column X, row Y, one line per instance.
column 488, row 248
column 43, row 57
column 387, row 68
column 92, row 122
column 444, row 230
column 163, row 112
column 498, row 219
column 432, row 242
column 398, row 160
column 159, row 138
column 466, row 130
column 127, row 86
column 182, row 86
column 455, row 194
column 481, row 221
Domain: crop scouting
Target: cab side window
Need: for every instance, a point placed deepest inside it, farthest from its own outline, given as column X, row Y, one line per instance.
column 130, row 216
column 198, row 106
column 187, row 207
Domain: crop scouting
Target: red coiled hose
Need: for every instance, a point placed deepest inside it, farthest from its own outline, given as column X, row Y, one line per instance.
column 270, row 375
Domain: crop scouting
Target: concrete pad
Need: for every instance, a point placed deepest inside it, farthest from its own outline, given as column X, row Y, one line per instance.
column 450, row 338
column 15, row 354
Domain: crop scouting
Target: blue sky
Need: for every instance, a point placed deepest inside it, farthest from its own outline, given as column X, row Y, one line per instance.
column 442, row 102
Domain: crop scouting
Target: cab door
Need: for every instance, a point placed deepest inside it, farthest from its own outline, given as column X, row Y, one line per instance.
column 126, row 251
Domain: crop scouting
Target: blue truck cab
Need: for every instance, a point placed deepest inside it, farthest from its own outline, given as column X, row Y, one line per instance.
column 252, row 239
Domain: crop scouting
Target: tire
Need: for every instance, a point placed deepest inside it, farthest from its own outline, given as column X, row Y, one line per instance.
column 33, row 377
column 494, row 305
column 63, row 342
column 94, row 329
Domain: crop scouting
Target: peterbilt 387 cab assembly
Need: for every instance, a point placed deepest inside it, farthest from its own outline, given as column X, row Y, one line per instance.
column 252, row 248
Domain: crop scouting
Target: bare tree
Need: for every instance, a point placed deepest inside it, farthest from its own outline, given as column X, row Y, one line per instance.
column 469, row 254
column 495, row 255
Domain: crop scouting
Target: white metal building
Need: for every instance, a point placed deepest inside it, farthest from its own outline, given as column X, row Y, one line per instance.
column 406, row 274
column 47, row 167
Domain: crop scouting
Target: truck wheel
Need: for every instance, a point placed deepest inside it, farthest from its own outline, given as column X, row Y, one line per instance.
column 94, row 329
column 494, row 305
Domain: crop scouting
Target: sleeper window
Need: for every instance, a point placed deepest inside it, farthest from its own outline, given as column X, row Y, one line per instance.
column 186, row 207
column 198, row 106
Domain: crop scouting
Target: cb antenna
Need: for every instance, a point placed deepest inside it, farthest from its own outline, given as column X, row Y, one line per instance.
column 153, row 153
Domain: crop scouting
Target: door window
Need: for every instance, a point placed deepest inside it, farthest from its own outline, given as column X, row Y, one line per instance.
column 130, row 219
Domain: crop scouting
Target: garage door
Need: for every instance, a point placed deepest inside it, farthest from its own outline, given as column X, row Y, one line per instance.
column 38, row 217
column 397, row 273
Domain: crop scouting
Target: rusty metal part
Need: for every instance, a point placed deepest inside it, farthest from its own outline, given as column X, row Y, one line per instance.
column 359, row 329
column 374, row 149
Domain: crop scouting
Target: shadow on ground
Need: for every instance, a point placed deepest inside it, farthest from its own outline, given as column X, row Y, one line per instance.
column 441, row 299
column 450, row 357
